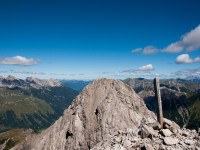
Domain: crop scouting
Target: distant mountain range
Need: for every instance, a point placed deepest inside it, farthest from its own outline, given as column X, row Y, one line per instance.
column 76, row 84
column 11, row 81
column 180, row 85
column 32, row 103
column 188, row 85
column 180, row 99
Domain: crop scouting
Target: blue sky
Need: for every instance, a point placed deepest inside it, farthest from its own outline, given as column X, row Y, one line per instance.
column 99, row 38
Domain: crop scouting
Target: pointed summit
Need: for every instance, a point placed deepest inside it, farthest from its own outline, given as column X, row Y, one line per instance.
column 102, row 109
column 11, row 78
column 1, row 77
column 53, row 82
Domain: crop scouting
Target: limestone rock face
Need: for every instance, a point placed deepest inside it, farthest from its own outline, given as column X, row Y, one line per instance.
column 103, row 109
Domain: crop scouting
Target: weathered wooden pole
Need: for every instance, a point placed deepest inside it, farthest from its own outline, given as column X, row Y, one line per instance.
column 158, row 101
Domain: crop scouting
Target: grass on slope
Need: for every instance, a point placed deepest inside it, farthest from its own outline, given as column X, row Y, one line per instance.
column 22, row 111
column 194, row 110
column 13, row 137
column 22, row 104
column 58, row 97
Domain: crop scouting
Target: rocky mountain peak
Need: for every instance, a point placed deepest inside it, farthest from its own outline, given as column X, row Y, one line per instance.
column 11, row 81
column 102, row 109
column 52, row 82
column 1, row 77
column 10, row 77
column 30, row 79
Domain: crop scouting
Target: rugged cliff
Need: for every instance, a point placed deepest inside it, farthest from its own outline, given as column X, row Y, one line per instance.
column 101, row 110
column 109, row 115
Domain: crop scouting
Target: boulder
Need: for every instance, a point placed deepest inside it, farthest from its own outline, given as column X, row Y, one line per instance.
column 135, row 139
column 166, row 132
column 155, row 126
column 185, row 133
column 167, row 121
column 147, row 147
column 170, row 141
column 170, row 124
column 108, row 148
column 189, row 142
column 127, row 143
column 147, row 132
column 116, row 146
column 118, row 140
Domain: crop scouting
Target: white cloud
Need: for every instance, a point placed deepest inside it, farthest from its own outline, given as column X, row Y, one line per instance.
column 148, row 67
column 136, row 50
column 150, row 50
column 191, row 40
column 143, row 69
column 185, row 58
column 173, row 48
column 188, row 42
column 19, row 60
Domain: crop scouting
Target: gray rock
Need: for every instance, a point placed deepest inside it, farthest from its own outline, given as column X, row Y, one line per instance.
column 166, row 132
column 167, row 121
column 171, row 124
column 185, row 133
column 170, row 141
column 182, row 143
column 156, row 126
column 197, row 148
column 148, row 147
column 127, row 143
column 189, row 142
column 116, row 146
column 108, row 148
column 147, row 132
column 166, row 126
column 135, row 139
column 118, row 140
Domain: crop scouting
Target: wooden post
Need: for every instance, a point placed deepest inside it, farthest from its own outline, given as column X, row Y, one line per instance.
column 158, row 101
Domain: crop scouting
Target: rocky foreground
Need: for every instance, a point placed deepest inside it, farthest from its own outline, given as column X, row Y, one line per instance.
column 151, row 137
column 108, row 114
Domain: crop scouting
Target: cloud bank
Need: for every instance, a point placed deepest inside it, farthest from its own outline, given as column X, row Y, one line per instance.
column 185, row 73
column 19, row 60
column 188, row 42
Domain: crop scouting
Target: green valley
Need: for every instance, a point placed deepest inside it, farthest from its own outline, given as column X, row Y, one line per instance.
column 33, row 108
